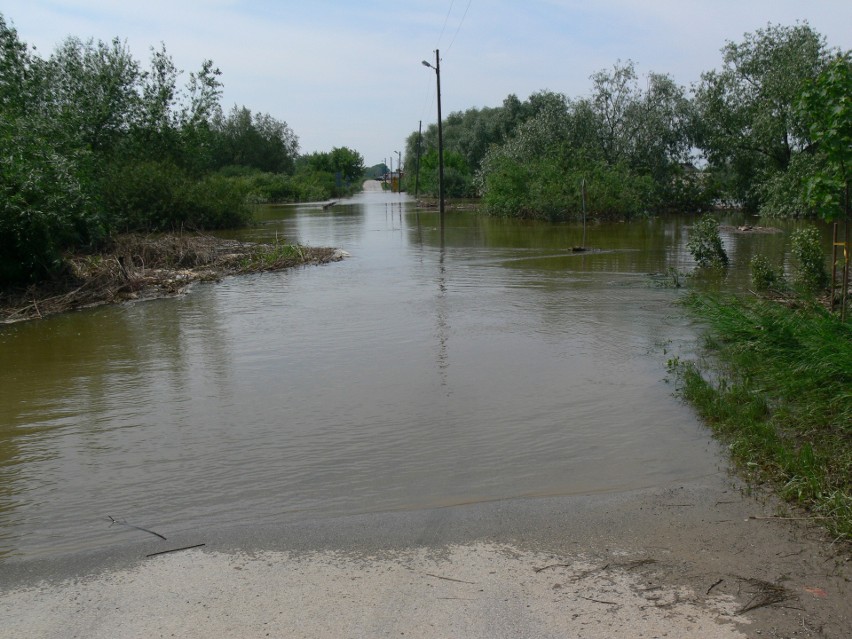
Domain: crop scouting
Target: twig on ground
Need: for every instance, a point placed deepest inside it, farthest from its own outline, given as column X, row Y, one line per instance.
column 786, row 518
column 600, row 601
column 713, row 586
column 428, row 574
column 636, row 564
column 165, row 552
column 552, row 566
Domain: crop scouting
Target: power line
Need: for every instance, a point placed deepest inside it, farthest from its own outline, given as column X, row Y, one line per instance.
column 438, row 46
column 460, row 24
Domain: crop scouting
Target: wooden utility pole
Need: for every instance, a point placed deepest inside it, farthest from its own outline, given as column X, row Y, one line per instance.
column 417, row 169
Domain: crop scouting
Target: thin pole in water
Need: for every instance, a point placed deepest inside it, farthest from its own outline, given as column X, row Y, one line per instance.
column 583, row 196
column 417, row 169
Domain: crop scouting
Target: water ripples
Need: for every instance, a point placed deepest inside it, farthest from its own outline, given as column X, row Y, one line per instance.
column 407, row 376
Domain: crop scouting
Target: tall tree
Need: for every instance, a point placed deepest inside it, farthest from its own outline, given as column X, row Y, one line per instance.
column 748, row 125
column 827, row 105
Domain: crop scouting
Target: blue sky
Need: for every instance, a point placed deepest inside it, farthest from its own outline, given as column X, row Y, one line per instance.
column 344, row 73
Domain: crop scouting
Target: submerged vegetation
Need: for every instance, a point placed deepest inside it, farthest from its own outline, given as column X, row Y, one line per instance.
column 705, row 244
column 776, row 386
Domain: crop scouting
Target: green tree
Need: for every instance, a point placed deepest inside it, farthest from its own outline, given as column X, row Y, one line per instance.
column 258, row 141
column 827, row 105
column 44, row 204
column 747, row 123
column 348, row 163
column 626, row 142
column 705, row 243
column 331, row 174
column 470, row 134
column 648, row 129
column 93, row 96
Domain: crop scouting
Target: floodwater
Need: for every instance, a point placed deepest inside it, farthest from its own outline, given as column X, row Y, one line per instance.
column 420, row 372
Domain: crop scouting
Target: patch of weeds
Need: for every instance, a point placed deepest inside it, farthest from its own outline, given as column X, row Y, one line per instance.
column 763, row 276
column 672, row 278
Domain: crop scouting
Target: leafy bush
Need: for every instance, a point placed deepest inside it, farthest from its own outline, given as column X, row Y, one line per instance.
column 811, row 274
column 544, row 189
column 159, row 196
column 705, row 244
column 44, row 207
column 216, row 202
column 784, row 194
column 313, row 186
column 458, row 180
column 763, row 276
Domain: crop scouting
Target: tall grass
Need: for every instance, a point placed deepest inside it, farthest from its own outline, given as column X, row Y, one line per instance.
column 776, row 385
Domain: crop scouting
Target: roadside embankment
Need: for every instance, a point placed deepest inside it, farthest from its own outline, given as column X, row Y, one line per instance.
column 774, row 386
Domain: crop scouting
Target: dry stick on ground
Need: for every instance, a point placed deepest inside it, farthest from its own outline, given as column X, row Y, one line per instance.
column 785, row 518
column 428, row 574
column 600, row 601
column 636, row 564
column 553, row 566
column 630, row 565
column 165, row 552
column 713, row 586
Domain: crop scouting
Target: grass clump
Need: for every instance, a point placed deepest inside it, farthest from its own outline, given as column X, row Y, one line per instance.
column 777, row 387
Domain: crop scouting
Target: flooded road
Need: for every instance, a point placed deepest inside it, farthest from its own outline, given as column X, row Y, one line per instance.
column 419, row 372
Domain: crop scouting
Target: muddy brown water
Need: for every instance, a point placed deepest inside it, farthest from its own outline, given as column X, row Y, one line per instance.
column 420, row 372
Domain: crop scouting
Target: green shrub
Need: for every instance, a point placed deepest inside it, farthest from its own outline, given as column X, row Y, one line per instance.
column 763, row 276
column 217, row 202
column 705, row 244
column 44, row 207
column 159, row 196
column 784, row 194
column 811, row 274
column 544, row 189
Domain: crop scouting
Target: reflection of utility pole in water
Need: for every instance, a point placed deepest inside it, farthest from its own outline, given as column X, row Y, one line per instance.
column 391, row 209
column 443, row 328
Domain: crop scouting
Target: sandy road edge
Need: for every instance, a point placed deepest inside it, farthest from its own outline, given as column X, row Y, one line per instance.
column 686, row 560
